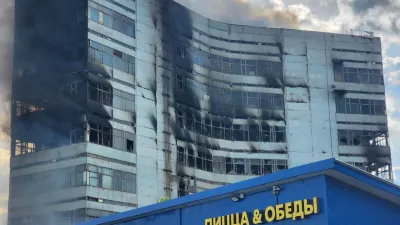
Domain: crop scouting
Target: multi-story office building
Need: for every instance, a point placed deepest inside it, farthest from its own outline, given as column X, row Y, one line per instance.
column 117, row 103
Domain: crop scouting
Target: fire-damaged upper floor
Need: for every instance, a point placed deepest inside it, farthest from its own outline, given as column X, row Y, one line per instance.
column 197, row 103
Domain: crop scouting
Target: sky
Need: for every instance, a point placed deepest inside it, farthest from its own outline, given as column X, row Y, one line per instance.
column 338, row 16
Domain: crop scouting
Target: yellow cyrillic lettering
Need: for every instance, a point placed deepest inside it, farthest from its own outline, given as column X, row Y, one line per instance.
column 245, row 219
column 298, row 210
column 269, row 217
column 308, row 208
column 228, row 220
column 280, row 213
column 288, row 210
column 257, row 217
column 315, row 203
column 208, row 221
column 235, row 219
column 217, row 221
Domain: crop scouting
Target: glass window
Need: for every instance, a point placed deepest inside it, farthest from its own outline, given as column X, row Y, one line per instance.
column 120, row 64
column 117, row 183
column 118, row 102
column 278, row 101
column 107, row 20
column 93, row 179
column 107, row 182
column 108, row 59
column 79, row 179
column 118, row 25
column 94, row 14
column 130, row 29
column 127, row 185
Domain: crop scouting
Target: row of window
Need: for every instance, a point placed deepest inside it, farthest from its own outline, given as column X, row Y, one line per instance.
column 106, row 178
column 230, row 65
column 359, row 75
column 111, row 39
column 359, row 165
column 232, row 166
column 229, row 97
column 115, row 138
column 360, row 106
column 106, row 95
column 114, row 2
column 363, row 137
column 83, row 175
column 236, row 41
column 100, row 53
column 229, row 131
column 355, row 51
column 111, row 19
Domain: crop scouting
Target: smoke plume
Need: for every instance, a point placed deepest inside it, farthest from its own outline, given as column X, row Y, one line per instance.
column 6, row 56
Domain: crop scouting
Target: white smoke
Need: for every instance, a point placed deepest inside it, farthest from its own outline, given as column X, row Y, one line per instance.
column 6, row 56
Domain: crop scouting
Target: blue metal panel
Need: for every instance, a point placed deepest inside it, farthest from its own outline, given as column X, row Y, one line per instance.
column 349, row 205
column 298, row 190
column 167, row 218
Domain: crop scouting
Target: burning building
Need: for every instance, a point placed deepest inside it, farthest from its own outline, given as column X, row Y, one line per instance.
column 116, row 103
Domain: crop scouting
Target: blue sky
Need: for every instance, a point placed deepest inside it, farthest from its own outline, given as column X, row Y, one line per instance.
column 380, row 16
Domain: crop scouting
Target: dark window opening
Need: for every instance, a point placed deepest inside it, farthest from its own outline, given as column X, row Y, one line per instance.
column 129, row 145
column 100, row 93
column 100, row 135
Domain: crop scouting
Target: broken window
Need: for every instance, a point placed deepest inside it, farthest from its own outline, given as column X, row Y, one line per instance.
column 255, row 167
column 229, row 166
column 23, row 147
column 181, row 156
column 100, row 134
column 359, row 137
column 228, row 131
column 239, row 166
column 266, row 133
column 281, row 165
column 238, row 133
column 280, row 134
column 100, row 93
column 268, row 166
column 129, row 145
column 360, row 106
column 123, row 140
column 217, row 131
column 182, row 191
column 219, row 164
column 191, row 157
column 180, row 82
column 180, row 118
column 254, row 133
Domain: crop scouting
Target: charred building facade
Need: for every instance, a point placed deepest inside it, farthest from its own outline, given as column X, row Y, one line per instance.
column 117, row 103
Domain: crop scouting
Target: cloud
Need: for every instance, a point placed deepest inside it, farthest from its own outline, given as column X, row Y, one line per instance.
column 361, row 6
column 272, row 13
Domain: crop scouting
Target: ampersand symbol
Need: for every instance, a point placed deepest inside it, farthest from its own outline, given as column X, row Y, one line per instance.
column 256, row 217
